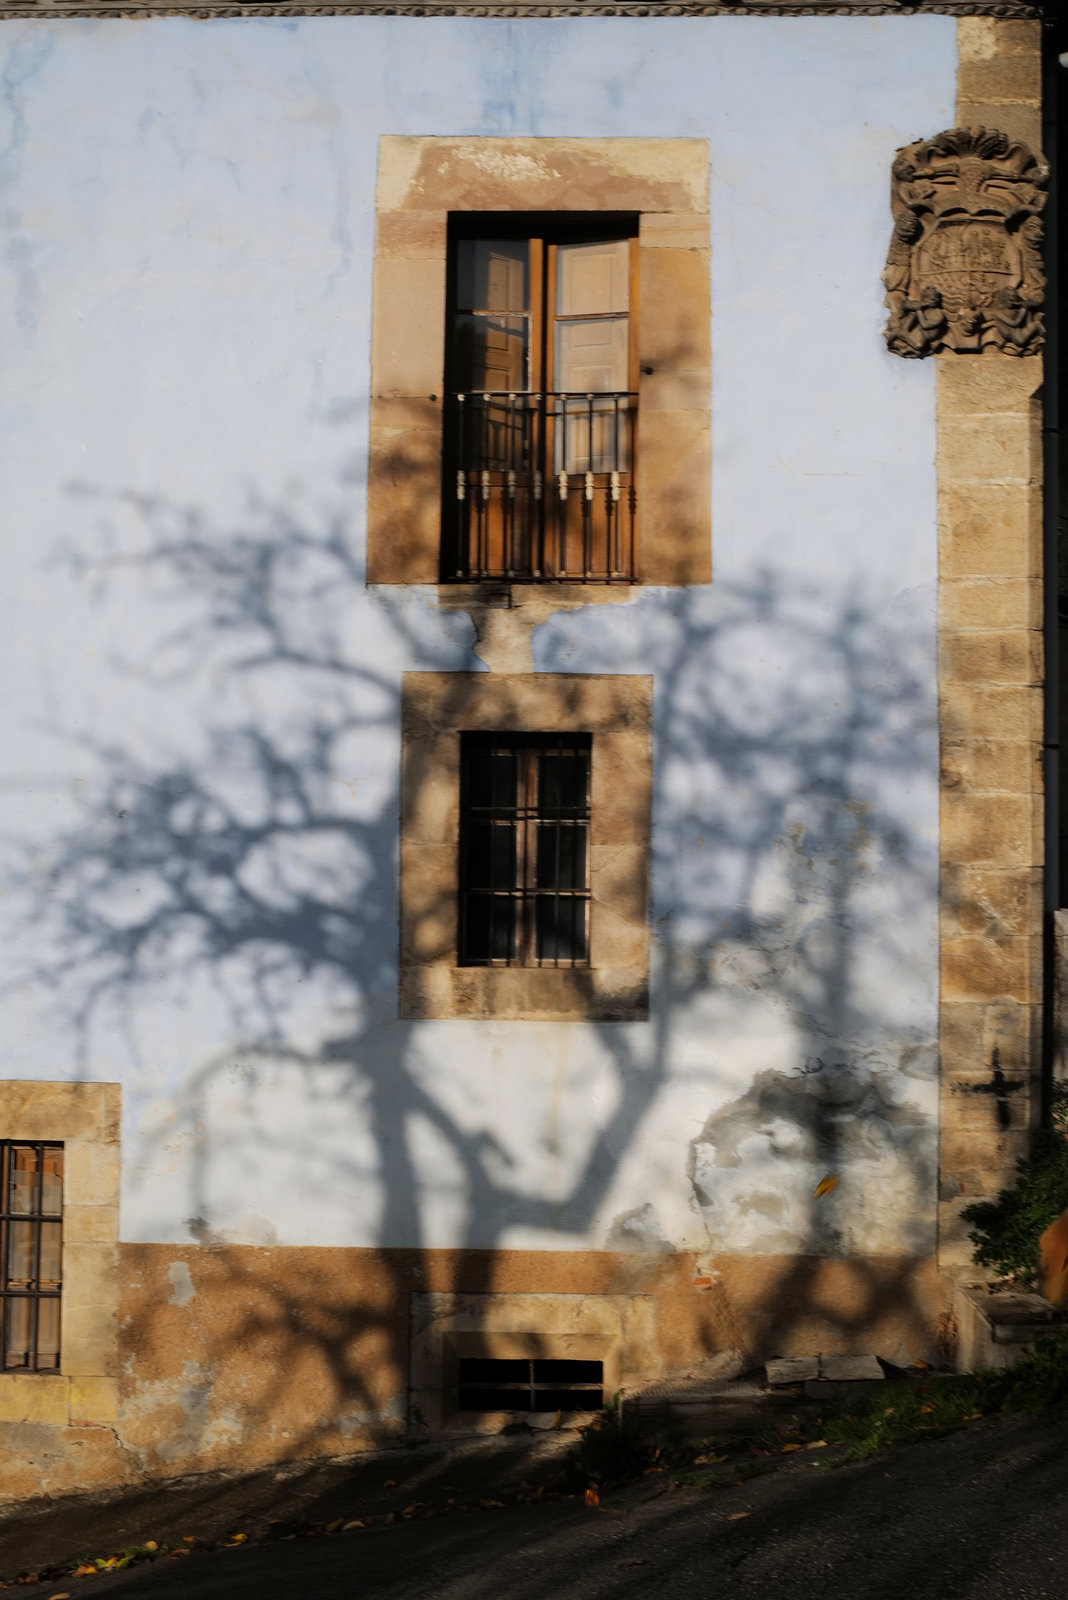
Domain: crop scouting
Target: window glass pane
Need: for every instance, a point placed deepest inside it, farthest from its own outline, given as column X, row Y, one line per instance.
column 52, row 1185
column 493, row 275
column 489, row 1369
column 563, row 781
column 22, row 1196
column 591, row 435
column 489, row 927
column 47, row 1335
column 490, row 856
column 560, row 928
column 17, row 1351
column 492, row 321
column 491, row 778
column 504, row 772
column 593, row 279
column 51, row 1254
column 492, row 353
column 592, row 357
column 19, row 1253
column 561, row 855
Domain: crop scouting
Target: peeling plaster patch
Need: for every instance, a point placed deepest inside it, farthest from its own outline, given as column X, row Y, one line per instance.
column 247, row 1228
column 639, row 1231
column 182, row 1290
column 757, row 1160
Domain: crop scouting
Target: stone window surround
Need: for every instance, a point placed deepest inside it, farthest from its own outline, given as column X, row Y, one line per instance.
column 84, row 1118
column 665, row 182
column 617, row 710
column 617, row 1329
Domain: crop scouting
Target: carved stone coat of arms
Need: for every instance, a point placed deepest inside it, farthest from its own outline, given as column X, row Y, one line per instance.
column 964, row 269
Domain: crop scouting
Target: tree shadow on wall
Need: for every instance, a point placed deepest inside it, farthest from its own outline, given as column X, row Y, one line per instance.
column 241, row 863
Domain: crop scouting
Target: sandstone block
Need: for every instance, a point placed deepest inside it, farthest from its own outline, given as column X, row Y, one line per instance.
column 93, row 1400
column 34, row 1397
column 991, row 603
column 1001, row 77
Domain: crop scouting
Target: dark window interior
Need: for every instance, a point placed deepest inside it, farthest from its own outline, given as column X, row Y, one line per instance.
column 530, row 1385
column 524, row 849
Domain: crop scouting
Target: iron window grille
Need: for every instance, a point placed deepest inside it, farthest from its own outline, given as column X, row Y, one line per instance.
column 31, row 1245
column 524, row 850
column 541, row 403
column 538, row 1384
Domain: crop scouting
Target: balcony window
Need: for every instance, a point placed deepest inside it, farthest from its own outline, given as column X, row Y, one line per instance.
column 541, row 404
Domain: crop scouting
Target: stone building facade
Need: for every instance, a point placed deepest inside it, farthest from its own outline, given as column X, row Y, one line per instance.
column 528, row 745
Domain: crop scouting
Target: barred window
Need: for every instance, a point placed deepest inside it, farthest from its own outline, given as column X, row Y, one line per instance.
column 524, row 850
column 31, row 1243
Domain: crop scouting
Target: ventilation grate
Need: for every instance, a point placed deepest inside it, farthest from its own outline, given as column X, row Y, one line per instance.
column 530, row 1385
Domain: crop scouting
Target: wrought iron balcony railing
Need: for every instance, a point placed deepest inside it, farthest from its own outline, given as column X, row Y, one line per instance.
column 540, row 487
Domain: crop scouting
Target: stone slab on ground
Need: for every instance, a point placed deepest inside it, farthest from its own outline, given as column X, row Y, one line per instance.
column 792, row 1369
column 823, row 1369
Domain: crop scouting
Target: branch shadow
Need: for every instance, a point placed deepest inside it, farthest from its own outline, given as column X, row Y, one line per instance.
column 232, row 862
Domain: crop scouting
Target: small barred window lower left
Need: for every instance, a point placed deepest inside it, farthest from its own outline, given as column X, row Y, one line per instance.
column 31, row 1253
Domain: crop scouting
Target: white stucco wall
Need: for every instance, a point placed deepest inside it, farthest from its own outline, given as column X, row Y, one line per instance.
column 200, row 723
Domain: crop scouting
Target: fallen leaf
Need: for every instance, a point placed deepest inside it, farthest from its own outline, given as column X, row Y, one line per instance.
column 788, row 1447
column 927, row 1408
column 592, row 1497
column 707, row 1461
column 633, row 1561
column 150, row 1544
column 816, row 1444
column 357, row 1522
column 85, row 1572
column 190, row 1538
column 62, row 1596
column 332, row 1527
column 825, row 1186
column 390, row 1483
column 389, row 1517
column 239, row 1538
column 922, row 1366
column 492, row 1505
column 736, row 1516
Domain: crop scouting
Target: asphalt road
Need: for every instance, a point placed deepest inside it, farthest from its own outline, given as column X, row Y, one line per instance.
column 981, row 1515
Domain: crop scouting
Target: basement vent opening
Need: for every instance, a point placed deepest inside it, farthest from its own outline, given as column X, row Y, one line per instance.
column 530, row 1385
